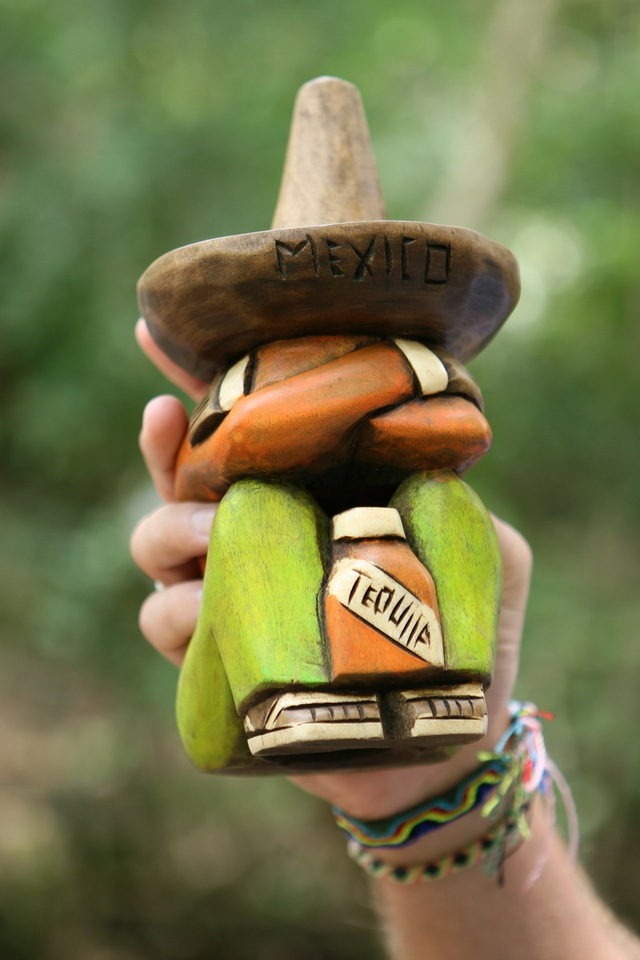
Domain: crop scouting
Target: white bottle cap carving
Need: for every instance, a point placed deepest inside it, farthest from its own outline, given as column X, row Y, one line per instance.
column 367, row 522
column 232, row 386
column 428, row 368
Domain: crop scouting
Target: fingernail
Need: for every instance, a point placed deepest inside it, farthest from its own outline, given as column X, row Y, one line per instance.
column 202, row 520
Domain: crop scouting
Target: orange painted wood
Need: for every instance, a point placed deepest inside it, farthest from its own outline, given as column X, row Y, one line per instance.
column 196, row 475
column 285, row 358
column 446, row 432
column 299, row 426
column 358, row 651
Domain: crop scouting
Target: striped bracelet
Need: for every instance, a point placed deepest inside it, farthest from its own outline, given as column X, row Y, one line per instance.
column 491, row 851
column 406, row 827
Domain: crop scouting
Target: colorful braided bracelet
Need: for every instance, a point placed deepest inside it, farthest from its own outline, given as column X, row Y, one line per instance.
column 491, row 851
column 406, row 827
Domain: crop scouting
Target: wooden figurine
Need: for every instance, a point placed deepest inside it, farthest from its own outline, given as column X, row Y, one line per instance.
column 353, row 579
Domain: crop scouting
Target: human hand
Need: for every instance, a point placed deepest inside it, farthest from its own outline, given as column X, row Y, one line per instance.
column 167, row 545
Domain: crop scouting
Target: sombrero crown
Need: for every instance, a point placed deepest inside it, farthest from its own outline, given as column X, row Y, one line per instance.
column 346, row 270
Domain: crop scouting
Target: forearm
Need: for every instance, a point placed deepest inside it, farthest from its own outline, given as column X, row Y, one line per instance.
column 469, row 914
column 557, row 916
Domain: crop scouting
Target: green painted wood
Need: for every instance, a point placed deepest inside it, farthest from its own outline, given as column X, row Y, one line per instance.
column 211, row 731
column 266, row 572
column 258, row 628
column 451, row 531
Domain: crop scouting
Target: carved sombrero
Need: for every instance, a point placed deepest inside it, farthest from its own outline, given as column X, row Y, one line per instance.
column 348, row 271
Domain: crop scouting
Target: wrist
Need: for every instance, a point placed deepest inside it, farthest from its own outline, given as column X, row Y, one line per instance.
column 372, row 795
column 484, row 818
column 448, row 838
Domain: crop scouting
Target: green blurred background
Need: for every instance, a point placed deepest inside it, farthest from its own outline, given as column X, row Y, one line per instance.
column 133, row 126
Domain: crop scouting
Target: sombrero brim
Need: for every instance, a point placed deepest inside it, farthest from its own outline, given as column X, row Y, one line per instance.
column 210, row 302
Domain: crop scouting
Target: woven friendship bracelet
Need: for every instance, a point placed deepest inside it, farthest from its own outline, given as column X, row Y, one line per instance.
column 496, row 845
column 406, row 827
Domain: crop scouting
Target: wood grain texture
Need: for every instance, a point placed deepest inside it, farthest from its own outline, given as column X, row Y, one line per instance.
column 301, row 722
column 303, row 426
column 444, row 432
column 330, row 170
column 209, row 303
column 298, row 426
column 265, row 554
column 259, row 633
column 451, row 532
column 456, row 714
column 331, row 263
column 273, row 362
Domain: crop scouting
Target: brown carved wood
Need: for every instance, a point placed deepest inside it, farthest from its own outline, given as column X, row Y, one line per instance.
column 321, row 183
column 347, row 270
column 335, row 344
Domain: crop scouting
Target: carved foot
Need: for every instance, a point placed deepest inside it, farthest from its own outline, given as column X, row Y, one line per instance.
column 451, row 715
column 313, row 722
column 318, row 721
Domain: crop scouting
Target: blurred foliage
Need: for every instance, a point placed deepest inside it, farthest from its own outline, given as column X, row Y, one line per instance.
column 130, row 127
